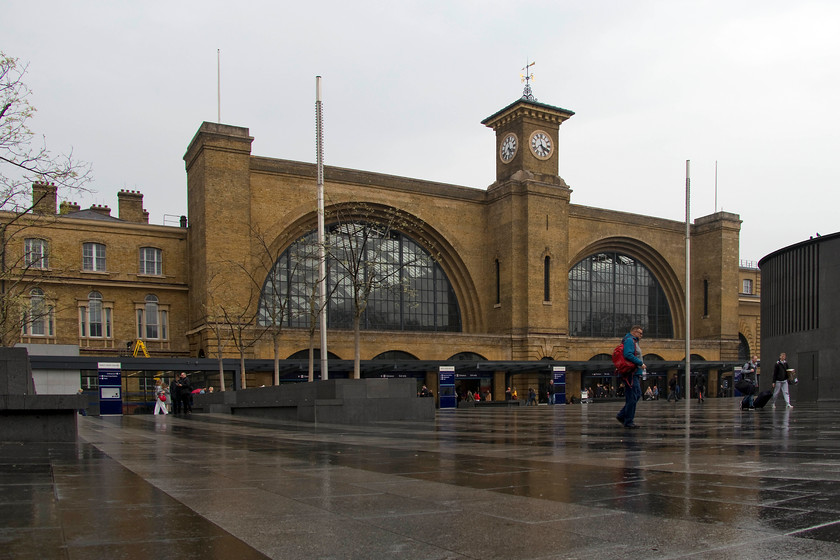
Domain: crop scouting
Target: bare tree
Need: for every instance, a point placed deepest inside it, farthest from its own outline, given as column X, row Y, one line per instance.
column 235, row 315
column 368, row 258
column 288, row 280
column 215, row 323
column 22, row 163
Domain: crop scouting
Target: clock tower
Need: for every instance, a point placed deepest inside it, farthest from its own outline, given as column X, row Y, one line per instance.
column 527, row 240
column 526, row 137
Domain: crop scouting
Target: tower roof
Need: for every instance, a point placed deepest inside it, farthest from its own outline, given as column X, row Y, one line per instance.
column 527, row 106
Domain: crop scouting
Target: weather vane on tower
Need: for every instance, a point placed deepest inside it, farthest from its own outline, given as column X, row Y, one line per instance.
column 527, row 77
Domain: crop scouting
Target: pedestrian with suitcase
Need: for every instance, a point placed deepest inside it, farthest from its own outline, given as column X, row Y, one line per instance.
column 746, row 384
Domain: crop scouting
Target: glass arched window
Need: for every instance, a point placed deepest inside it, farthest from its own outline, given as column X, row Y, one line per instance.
column 95, row 317
column 610, row 292
column 152, row 319
column 38, row 320
column 409, row 290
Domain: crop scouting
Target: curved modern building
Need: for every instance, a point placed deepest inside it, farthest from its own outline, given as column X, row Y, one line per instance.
column 800, row 315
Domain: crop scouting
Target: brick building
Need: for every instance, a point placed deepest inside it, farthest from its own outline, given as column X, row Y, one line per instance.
column 512, row 272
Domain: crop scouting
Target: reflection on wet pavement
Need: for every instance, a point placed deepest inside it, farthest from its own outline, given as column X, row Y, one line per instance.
column 535, row 482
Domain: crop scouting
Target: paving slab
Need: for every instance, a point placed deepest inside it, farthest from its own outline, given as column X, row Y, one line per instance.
column 696, row 481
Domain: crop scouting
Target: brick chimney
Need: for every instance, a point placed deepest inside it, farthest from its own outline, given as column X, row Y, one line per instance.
column 68, row 207
column 131, row 207
column 43, row 198
column 104, row 210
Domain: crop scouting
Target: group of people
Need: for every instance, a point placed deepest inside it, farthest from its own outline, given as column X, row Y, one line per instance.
column 747, row 383
column 474, row 396
column 178, row 392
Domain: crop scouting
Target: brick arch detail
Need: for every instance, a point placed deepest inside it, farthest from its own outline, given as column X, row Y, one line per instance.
column 472, row 320
column 654, row 261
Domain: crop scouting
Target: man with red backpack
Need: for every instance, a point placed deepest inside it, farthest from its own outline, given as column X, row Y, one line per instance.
column 632, row 389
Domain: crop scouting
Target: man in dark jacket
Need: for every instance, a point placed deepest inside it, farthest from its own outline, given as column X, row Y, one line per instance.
column 174, row 394
column 184, row 392
column 633, row 390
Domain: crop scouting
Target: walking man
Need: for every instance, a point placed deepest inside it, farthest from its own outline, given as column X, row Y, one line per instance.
column 633, row 388
column 780, row 380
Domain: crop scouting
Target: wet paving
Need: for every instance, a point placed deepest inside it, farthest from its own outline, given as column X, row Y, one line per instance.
column 705, row 481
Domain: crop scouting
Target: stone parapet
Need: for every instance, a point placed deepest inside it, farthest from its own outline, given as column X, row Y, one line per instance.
column 335, row 401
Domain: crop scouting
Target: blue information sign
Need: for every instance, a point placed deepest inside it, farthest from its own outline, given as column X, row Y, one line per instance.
column 110, row 388
column 447, row 387
column 559, row 374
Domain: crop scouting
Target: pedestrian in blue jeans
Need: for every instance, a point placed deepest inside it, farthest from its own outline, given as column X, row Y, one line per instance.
column 633, row 388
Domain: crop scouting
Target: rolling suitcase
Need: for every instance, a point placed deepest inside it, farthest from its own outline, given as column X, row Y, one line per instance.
column 762, row 399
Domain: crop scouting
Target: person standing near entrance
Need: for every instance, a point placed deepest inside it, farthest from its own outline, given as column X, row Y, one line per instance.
column 780, row 380
column 175, row 396
column 700, row 385
column 633, row 389
column 184, row 390
column 160, row 398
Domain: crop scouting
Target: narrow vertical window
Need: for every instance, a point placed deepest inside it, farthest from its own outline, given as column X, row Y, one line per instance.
column 547, row 279
column 95, row 314
column 498, row 283
column 95, row 317
column 38, row 320
column 151, row 316
column 705, row 298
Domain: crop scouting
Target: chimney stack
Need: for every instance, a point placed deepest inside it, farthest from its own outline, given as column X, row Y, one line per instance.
column 131, row 207
column 104, row 210
column 69, row 207
column 43, row 198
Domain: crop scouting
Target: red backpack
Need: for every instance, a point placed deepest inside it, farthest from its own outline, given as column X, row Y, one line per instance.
column 622, row 365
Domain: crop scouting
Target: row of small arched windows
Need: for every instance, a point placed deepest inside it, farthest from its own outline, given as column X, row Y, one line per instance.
column 96, row 317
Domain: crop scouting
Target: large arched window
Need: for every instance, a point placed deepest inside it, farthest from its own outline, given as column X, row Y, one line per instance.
column 610, row 292
column 409, row 290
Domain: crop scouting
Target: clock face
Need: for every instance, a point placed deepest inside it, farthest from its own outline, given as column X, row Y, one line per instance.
column 508, row 148
column 541, row 144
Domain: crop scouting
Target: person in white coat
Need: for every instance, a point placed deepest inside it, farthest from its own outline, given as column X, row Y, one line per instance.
column 160, row 403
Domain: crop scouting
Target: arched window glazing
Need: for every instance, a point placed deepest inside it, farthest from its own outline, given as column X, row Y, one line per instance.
column 410, row 291
column 609, row 292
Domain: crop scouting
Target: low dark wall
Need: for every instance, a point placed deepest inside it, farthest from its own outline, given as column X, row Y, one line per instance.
column 341, row 401
column 25, row 416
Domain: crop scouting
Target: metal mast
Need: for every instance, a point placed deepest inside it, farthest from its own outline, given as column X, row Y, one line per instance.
column 687, row 387
column 322, row 252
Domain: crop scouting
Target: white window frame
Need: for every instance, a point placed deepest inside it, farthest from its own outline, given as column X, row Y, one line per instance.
column 151, row 266
column 44, row 323
column 36, row 253
column 87, row 313
column 152, row 305
column 94, row 257
column 747, row 286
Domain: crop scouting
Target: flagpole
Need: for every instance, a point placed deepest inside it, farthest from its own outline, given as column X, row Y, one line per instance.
column 686, row 388
column 219, row 85
column 322, row 253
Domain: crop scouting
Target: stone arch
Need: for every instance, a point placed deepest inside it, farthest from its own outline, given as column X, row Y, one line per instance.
column 447, row 257
column 654, row 261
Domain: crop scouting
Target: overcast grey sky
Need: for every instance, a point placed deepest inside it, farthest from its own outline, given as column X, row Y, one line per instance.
column 752, row 85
